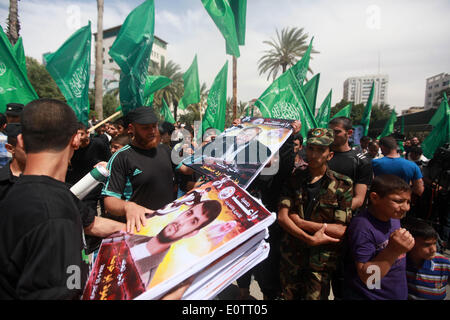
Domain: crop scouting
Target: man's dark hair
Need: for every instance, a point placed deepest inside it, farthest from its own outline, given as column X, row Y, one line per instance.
column 419, row 228
column 122, row 139
column 81, row 126
column 47, row 125
column 387, row 184
column 345, row 122
column 417, row 150
column 211, row 208
column 365, row 139
column 373, row 143
column 166, row 127
column 119, row 122
column 298, row 136
column 389, row 143
column 3, row 120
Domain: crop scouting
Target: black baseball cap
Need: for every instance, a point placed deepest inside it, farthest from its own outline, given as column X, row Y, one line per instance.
column 14, row 109
column 13, row 130
column 142, row 115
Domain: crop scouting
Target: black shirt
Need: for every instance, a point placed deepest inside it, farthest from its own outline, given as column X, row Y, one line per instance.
column 142, row 176
column 41, row 241
column 84, row 159
column 354, row 165
column 7, row 180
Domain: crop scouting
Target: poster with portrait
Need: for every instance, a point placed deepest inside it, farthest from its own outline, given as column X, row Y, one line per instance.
column 178, row 241
column 243, row 151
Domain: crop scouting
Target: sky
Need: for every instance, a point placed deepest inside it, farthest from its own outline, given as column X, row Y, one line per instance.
column 409, row 40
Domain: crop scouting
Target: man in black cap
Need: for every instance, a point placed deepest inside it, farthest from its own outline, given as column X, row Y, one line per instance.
column 13, row 112
column 141, row 173
column 10, row 173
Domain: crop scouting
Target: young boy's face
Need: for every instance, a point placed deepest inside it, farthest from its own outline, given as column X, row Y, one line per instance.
column 424, row 249
column 391, row 206
column 115, row 147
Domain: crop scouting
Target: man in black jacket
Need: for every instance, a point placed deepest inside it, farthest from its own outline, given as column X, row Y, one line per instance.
column 41, row 233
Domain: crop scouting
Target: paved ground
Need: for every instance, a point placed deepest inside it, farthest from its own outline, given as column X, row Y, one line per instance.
column 232, row 292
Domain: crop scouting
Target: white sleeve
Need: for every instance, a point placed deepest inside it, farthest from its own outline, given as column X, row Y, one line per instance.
column 140, row 251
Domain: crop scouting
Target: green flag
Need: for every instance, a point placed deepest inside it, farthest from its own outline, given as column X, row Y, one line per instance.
column 310, row 90
column 222, row 14
column 365, row 121
column 131, row 51
column 70, row 66
column 389, row 127
column 153, row 84
column 191, row 86
column 323, row 115
column 19, row 53
column 438, row 137
column 166, row 113
column 214, row 116
column 344, row 112
column 440, row 112
column 239, row 8
column 14, row 83
column 301, row 67
column 284, row 99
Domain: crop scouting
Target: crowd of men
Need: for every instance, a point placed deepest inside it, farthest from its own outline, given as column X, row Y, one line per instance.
column 357, row 220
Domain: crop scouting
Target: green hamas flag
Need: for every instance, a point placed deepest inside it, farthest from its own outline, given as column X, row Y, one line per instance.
column 239, row 8
column 440, row 112
column 310, row 90
column 301, row 67
column 323, row 115
column 389, row 127
column 438, row 137
column 19, row 53
column 217, row 102
column 365, row 121
column 165, row 112
column 284, row 99
column 131, row 51
column 153, row 84
column 70, row 66
column 223, row 16
column 344, row 112
column 14, row 83
column 191, row 86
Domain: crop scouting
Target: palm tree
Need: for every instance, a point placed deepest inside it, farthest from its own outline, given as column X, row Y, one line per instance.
column 99, row 62
column 173, row 92
column 241, row 108
column 13, row 22
column 285, row 51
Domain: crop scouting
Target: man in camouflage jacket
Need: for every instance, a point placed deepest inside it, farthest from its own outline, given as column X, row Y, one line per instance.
column 314, row 210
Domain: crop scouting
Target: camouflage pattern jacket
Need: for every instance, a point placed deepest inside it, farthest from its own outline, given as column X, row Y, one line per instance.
column 331, row 205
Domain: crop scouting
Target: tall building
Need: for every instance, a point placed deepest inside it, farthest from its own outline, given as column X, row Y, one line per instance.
column 434, row 85
column 357, row 89
column 157, row 57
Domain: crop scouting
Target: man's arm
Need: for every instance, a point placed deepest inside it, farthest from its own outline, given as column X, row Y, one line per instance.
column 103, row 227
column 359, row 191
column 134, row 213
column 319, row 237
column 418, row 187
column 333, row 230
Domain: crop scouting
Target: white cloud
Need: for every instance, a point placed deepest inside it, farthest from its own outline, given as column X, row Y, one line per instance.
column 412, row 39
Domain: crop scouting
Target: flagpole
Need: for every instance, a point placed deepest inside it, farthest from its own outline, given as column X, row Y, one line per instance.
column 234, row 87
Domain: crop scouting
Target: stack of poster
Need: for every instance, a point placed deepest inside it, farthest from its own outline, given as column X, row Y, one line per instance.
column 243, row 151
column 194, row 235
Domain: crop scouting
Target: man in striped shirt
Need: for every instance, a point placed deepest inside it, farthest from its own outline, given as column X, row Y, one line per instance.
column 426, row 271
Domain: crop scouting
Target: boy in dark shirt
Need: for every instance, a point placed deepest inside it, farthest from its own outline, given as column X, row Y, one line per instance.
column 375, row 266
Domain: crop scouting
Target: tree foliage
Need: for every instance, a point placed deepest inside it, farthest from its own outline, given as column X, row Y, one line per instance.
column 42, row 82
column 289, row 46
column 379, row 112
